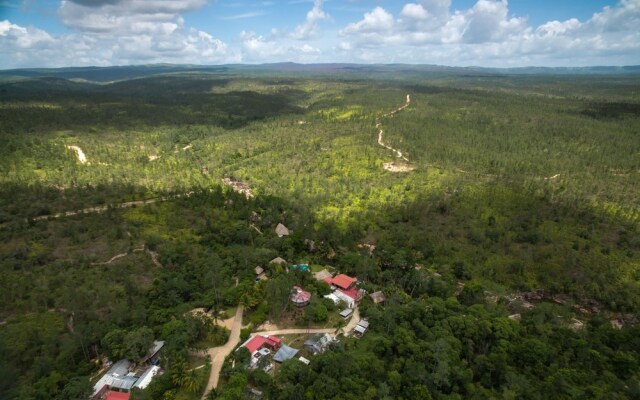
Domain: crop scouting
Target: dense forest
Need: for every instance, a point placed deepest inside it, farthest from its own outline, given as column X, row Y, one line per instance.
column 115, row 224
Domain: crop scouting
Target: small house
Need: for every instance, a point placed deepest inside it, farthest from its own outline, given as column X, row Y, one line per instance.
column 300, row 297
column 345, row 289
column 254, row 344
column 361, row 328
column 285, row 353
column 318, row 343
column 346, row 313
column 278, row 260
column 282, row 230
column 260, row 275
column 377, row 297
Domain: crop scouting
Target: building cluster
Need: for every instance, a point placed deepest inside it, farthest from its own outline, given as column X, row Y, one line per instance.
column 124, row 376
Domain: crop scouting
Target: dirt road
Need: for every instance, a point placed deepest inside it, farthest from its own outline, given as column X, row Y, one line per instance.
column 218, row 354
column 380, row 132
column 99, row 209
column 295, row 331
column 355, row 318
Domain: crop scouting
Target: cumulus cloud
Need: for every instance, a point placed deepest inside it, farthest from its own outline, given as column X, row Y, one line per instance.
column 487, row 34
column 107, row 32
column 258, row 48
column 308, row 29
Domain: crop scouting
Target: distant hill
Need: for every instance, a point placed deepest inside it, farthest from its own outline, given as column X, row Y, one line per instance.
column 116, row 73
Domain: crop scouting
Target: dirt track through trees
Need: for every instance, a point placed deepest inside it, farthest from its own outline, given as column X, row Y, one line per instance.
column 381, row 132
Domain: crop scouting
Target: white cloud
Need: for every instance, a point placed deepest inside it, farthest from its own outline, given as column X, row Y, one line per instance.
column 413, row 11
column 486, row 34
column 488, row 21
column 258, row 48
column 377, row 21
column 308, row 29
column 107, row 32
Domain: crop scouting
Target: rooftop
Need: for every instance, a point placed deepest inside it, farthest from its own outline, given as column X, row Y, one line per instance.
column 117, row 396
column 256, row 342
column 377, row 297
column 300, row 296
column 278, row 260
column 343, row 281
column 285, row 353
column 346, row 312
column 282, row 230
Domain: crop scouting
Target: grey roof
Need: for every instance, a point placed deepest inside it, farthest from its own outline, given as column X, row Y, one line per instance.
column 157, row 345
column 120, row 368
column 124, row 382
column 278, row 260
column 147, row 377
column 346, row 312
column 364, row 323
column 285, row 353
column 360, row 329
column 317, row 338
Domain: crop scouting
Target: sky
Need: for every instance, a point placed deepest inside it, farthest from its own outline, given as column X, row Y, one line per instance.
column 489, row 33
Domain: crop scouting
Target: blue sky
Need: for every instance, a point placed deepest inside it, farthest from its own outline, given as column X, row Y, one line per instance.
column 493, row 33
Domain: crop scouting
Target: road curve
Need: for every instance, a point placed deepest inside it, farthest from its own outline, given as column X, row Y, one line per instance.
column 218, row 354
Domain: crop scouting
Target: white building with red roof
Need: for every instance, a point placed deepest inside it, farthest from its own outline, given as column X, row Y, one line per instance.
column 345, row 289
column 254, row 344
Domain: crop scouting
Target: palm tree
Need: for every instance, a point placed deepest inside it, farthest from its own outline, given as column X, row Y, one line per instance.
column 179, row 373
column 191, row 382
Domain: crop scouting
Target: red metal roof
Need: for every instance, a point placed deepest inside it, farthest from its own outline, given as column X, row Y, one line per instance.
column 354, row 293
column 117, row 396
column 256, row 342
column 343, row 281
column 273, row 341
column 300, row 296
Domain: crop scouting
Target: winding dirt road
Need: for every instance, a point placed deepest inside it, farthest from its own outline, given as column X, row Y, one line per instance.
column 218, row 354
column 380, row 132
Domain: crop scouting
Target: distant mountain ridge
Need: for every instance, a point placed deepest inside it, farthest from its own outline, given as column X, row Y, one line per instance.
column 114, row 73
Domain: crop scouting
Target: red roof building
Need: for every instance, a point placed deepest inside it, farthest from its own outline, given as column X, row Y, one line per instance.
column 300, row 297
column 354, row 293
column 257, row 342
column 117, row 396
column 343, row 281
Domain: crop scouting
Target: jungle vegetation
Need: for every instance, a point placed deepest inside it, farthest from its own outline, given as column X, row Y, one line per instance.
column 518, row 182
